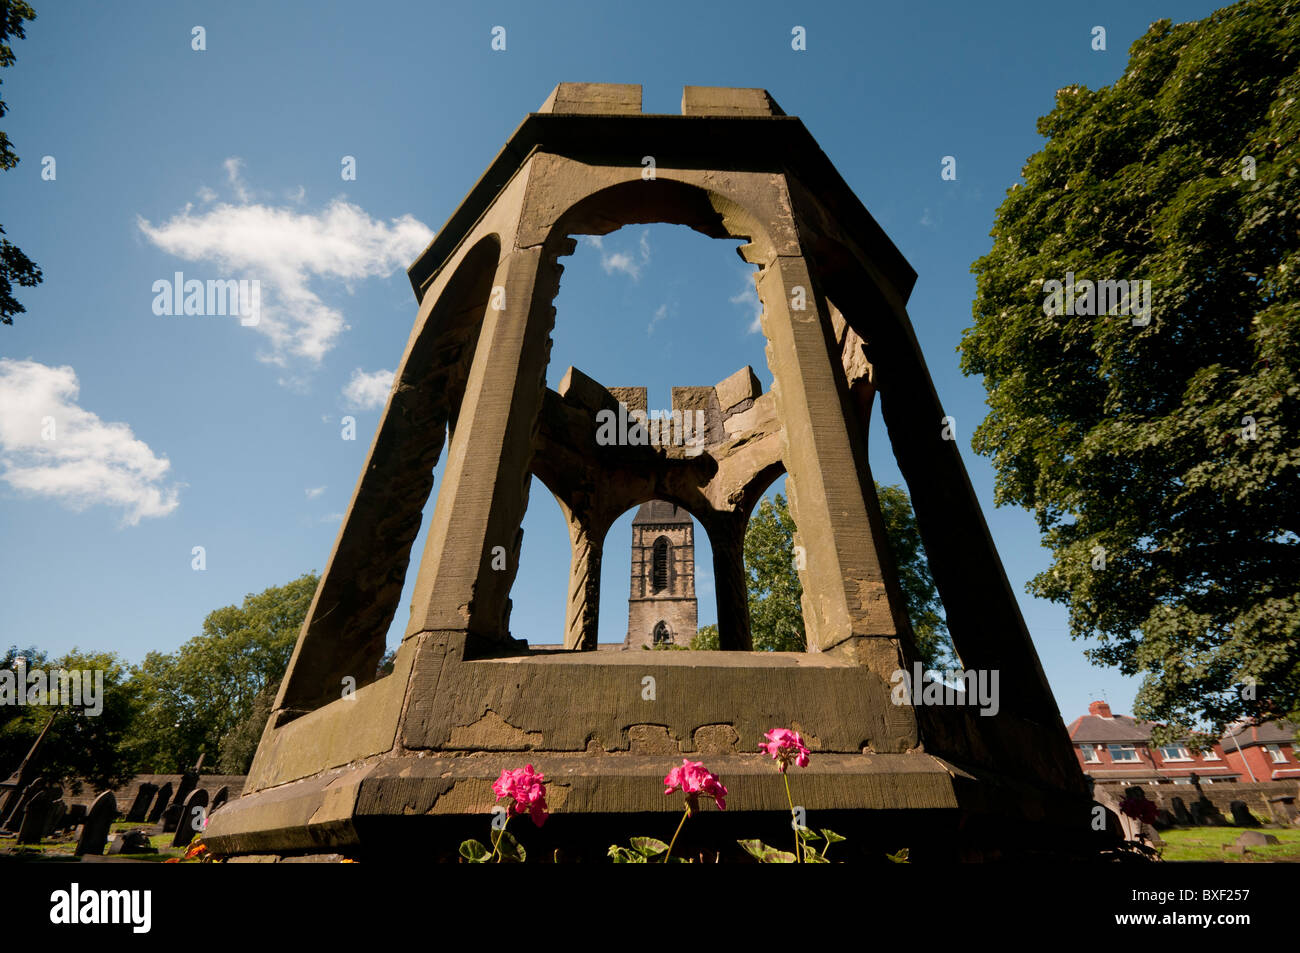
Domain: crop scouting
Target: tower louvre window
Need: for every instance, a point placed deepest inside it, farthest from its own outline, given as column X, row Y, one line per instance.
column 659, row 566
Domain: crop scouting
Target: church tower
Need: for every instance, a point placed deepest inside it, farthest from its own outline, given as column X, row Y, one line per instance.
column 661, row 607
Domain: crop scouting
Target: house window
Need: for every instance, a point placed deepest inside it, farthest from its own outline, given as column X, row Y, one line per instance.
column 1275, row 752
column 1182, row 780
column 1122, row 752
column 1090, row 755
column 1175, row 753
column 661, row 634
column 1209, row 754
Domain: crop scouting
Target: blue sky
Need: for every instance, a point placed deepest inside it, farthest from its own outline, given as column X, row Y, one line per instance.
column 185, row 431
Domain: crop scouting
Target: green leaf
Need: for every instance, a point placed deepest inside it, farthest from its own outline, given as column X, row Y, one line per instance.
column 832, row 837
column 810, row 856
column 900, row 857
column 474, row 852
column 648, row 846
column 766, row 854
column 809, row 835
column 511, row 851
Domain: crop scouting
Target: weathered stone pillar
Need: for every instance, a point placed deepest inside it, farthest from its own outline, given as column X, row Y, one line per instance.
column 485, row 489
column 847, row 595
column 582, row 616
column 727, row 537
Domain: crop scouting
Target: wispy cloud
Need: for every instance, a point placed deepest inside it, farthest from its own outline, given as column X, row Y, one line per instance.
column 367, row 391
column 314, row 491
column 50, row 446
column 629, row 263
column 290, row 251
column 749, row 298
column 661, row 312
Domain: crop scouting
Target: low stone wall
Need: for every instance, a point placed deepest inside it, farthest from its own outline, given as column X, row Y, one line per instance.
column 125, row 795
column 1255, row 794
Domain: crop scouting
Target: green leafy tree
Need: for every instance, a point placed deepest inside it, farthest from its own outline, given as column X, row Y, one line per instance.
column 1160, row 459
column 205, row 694
column 775, row 612
column 84, row 741
column 15, row 267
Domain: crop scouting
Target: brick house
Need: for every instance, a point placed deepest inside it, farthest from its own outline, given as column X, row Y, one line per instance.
column 1266, row 752
column 1116, row 748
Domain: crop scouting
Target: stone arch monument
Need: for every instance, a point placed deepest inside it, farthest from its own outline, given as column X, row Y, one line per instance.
column 413, row 754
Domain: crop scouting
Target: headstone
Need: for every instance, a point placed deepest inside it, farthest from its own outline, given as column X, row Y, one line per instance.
column 1209, row 813
column 54, row 820
column 35, row 815
column 189, row 781
column 1241, row 816
column 172, row 817
column 76, row 815
column 160, row 803
column 16, row 816
column 1196, row 810
column 94, row 833
column 1164, row 819
column 134, row 841
column 1181, row 816
column 1255, row 839
column 219, row 799
column 1283, row 808
column 140, row 807
column 192, row 818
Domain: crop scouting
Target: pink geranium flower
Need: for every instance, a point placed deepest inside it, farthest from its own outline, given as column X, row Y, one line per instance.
column 785, row 746
column 527, row 790
column 694, row 780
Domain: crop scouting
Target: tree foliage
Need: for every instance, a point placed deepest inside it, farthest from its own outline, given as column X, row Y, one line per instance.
column 15, row 267
column 775, row 610
column 1160, row 460
column 203, row 696
column 81, row 746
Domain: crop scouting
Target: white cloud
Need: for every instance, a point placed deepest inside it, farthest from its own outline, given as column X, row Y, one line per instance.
column 314, row 491
column 234, row 166
column 288, row 251
column 628, row 263
column 749, row 298
column 88, row 462
column 368, row 391
column 661, row 312
column 332, row 518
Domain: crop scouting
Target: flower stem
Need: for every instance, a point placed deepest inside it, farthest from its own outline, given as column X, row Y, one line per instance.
column 685, row 814
column 496, row 841
column 798, row 846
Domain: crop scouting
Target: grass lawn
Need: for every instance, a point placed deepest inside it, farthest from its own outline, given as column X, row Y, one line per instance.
column 1207, row 843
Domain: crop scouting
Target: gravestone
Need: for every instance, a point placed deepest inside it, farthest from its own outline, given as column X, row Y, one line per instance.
column 1255, row 839
column 134, row 841
column 171, row 817
column 94, row 833
column 1181, row 815
column 76, row 816
column 54, row 821
column 1241, row 816
column 1283, row 808
column 160, row 803
column 140, row 806
column 29, row 792
column 36, row 813
column 219, row 799
column 192, row 817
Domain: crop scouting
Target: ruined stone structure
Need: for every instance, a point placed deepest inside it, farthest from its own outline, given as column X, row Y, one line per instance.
column 661, row 606
column 412, row 756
